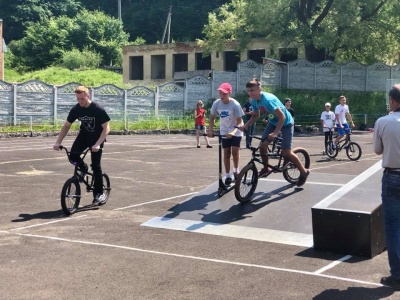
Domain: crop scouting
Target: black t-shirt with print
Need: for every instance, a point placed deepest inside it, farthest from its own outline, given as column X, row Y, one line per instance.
column 91, row 119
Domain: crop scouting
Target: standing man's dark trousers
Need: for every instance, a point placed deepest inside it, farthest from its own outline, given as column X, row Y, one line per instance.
column 79, row 145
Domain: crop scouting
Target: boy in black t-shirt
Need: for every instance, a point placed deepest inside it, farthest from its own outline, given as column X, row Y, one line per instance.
column 92, row 133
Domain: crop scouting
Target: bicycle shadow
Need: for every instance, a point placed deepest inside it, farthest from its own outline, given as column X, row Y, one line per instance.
column 241, row 211
column 56, row 214
column 196, row 203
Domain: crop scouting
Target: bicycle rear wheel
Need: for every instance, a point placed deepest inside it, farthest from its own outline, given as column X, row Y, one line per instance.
column 106, row 189
column 246, row 183
column 291, row 173
column 70, row 196
column 353, row 151
column 330, row 151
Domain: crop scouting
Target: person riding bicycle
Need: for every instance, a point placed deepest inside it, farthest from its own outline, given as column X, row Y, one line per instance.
column 93, row 131
column 280, row 120
column 341, row 112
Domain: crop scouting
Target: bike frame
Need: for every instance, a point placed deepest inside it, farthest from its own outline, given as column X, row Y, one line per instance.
column 83, row 179
column 280, row 167
column 344, row 142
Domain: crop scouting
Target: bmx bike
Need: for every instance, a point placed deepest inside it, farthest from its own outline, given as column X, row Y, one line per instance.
column 353, row 150
column 71, row 191
column 247, row 179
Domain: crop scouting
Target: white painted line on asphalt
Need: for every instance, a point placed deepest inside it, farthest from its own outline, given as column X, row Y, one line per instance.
column 220, row 261
column 333, row 264
column 319, row 167
column 349, row 186
column 47, row 223
column 236, row 231
column 154, row 201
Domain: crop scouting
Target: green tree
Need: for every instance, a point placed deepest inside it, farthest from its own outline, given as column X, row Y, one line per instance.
column 46, row 41
column 364, row 30
column 147, row 18
column 17, row 15
column 42, row 45
column 100, row 33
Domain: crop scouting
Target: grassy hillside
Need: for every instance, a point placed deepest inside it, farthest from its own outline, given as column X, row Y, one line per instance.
column 60, row 76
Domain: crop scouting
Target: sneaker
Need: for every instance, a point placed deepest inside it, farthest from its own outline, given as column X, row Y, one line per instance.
column 99, row 198
column 323, row 152
column 209, row 146
column 263, row 172
column 228, row 181
column 303, row 178
column 391, row 282
column 198, row 146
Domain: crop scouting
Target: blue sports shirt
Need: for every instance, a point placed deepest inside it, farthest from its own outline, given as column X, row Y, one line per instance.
column 268, row 104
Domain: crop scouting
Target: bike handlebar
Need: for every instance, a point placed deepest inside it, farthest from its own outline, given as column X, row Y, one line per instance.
column 61, row 147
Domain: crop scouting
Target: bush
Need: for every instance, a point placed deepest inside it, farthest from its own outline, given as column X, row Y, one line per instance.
column 81, row 60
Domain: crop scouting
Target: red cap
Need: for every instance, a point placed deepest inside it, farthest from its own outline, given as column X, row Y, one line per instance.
column 225, row 88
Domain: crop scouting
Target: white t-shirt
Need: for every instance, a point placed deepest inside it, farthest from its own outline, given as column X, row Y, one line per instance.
column 227, row 114
column 328, row 117
column 341, row 110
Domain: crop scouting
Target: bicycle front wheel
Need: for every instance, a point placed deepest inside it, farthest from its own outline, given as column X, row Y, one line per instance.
column 246, row 183
column 291, row 173
column 70, row 196
column 353, row 151
column 106, row 189
column 330, row 151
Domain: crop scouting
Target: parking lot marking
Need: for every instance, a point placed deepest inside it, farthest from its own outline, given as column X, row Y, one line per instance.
column 47, row 223
column 154, row 201
column 333, row 264
column 236, row 231
column 220, row 261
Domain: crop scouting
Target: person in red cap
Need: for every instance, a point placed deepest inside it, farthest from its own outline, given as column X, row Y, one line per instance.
column 230, row 113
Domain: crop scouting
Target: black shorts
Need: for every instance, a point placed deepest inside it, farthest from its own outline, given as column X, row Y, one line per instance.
column 232, row 142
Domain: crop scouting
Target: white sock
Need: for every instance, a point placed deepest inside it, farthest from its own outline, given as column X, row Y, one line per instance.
column 228, row 175
column 235, row 170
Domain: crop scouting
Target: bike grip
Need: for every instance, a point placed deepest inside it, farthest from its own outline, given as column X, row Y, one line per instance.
column 60, row 147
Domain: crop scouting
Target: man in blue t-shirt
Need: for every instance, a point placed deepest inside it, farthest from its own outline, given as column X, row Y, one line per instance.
column 280, row 121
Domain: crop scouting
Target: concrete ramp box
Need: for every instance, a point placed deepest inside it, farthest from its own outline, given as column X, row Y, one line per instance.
column 350, row 221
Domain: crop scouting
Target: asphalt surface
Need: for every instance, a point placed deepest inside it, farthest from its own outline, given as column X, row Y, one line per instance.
column 111, row 252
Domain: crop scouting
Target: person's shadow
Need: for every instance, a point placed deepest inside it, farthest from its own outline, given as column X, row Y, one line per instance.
column 47, row 215
column 355, row 293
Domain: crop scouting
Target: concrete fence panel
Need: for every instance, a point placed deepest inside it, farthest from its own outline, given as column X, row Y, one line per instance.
column 197, row 88
column 354, row 77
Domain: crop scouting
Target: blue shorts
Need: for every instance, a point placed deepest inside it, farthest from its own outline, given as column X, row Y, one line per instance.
column 287, row 135
column 341, row 130
column 200, row 127
column 232, row 142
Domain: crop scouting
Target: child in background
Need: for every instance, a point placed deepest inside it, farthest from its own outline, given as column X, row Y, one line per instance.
column 199, row 123
column 327, row 121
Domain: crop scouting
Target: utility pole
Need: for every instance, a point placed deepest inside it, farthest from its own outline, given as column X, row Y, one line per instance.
column 167, row 26
column 119, row 10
